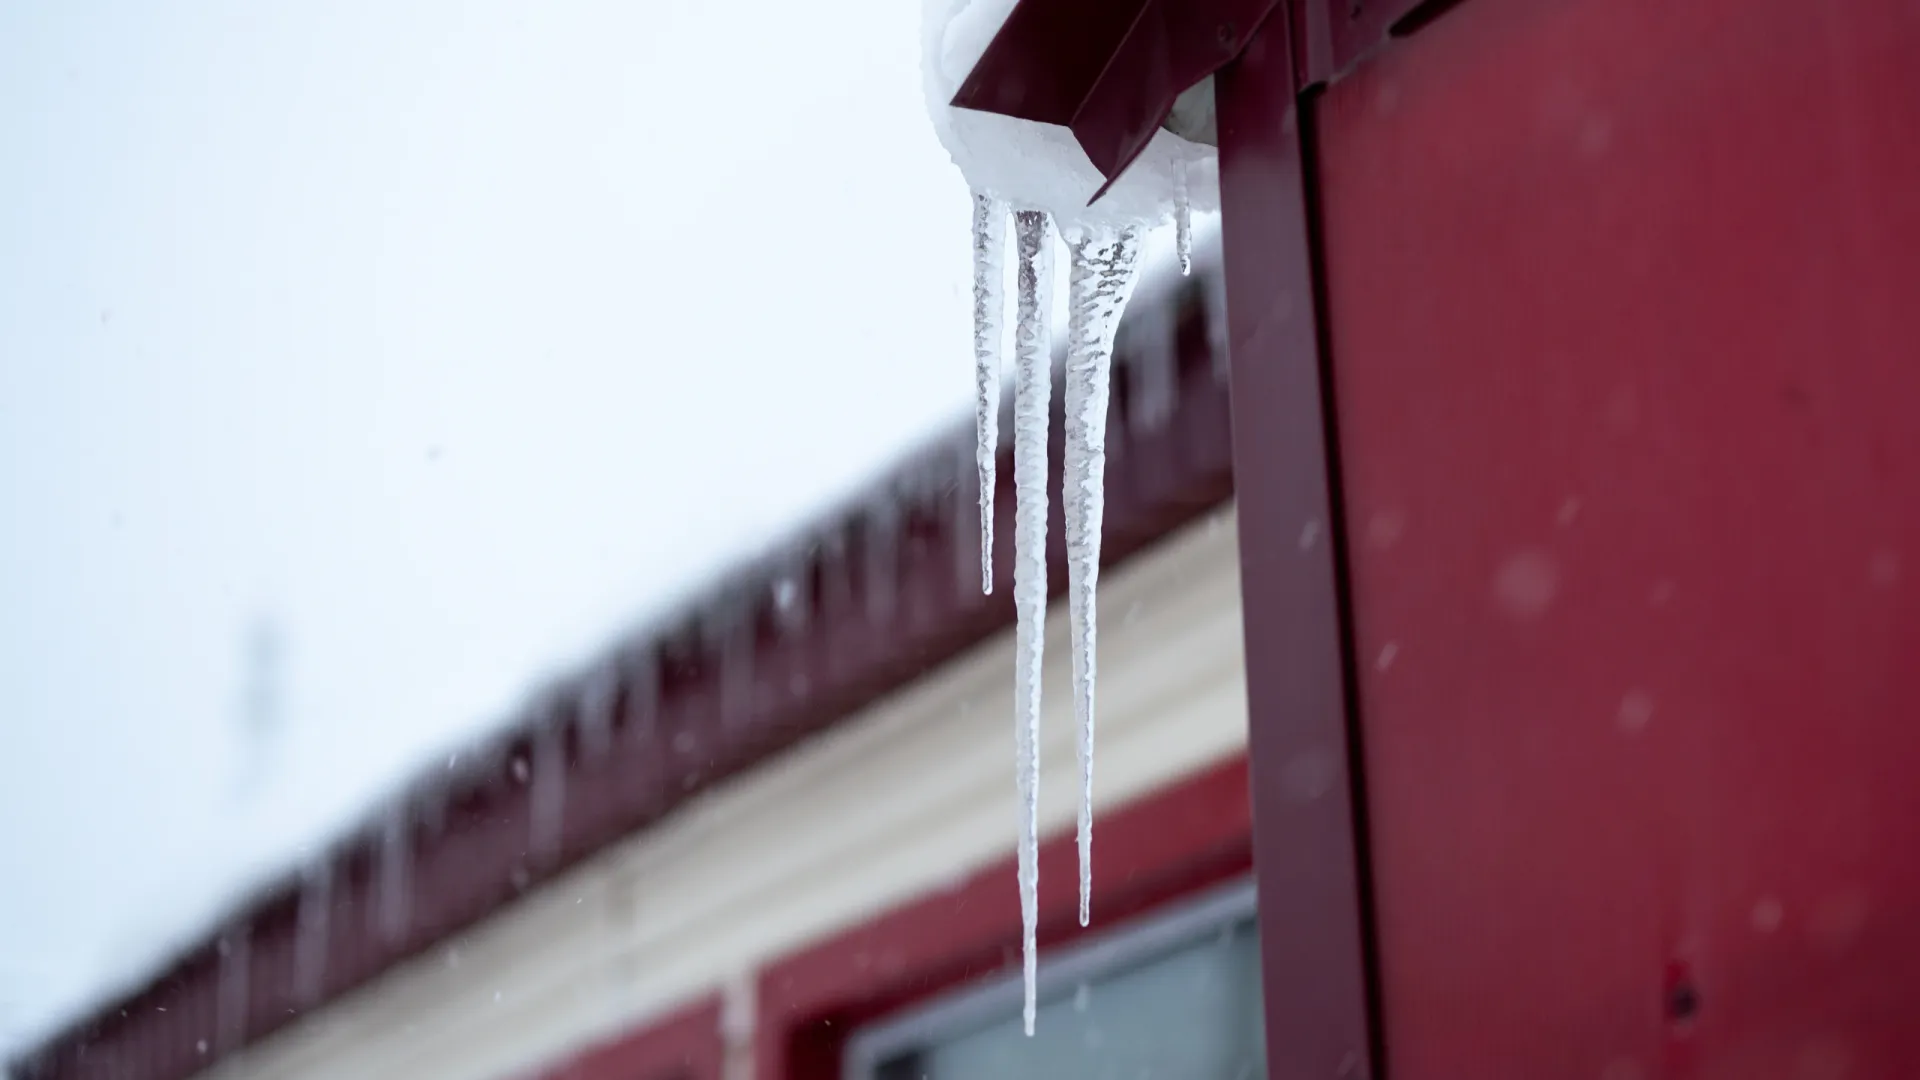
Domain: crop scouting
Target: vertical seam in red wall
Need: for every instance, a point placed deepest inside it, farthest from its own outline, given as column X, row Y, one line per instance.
column 1318, row 953
column 1343, row 574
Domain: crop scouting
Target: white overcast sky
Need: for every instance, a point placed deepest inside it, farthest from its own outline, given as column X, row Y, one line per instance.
column 450, row 335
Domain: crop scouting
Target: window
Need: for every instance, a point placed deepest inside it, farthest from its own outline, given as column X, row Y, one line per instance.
column 1176, row 995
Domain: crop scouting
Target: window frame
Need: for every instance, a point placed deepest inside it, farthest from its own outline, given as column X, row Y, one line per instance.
column 1113, row 951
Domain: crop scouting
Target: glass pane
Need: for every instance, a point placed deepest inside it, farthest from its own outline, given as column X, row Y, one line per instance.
column 1192, row 1012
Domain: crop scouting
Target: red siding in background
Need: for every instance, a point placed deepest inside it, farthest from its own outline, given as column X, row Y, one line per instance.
column 685, row 1045
column 1622, row 300
column 1166, row 845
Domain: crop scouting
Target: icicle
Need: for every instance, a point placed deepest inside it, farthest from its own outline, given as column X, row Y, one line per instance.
column 1182, row 217
column 396, row 888
column 547, row 800
column 880, row 559
column 727, row 637
column 310, row 943
column 231, row 999
column 1105, row 266
column 835, row 593
column 642, row 670
column 1033, row 353
column 989, row 277
column 793, row 594
column 597, row 718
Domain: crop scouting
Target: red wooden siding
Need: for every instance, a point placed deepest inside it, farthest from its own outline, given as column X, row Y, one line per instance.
column 685, row 1045
column 1622, row 299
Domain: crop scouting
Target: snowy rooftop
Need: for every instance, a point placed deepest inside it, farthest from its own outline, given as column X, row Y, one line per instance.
column 362, row 367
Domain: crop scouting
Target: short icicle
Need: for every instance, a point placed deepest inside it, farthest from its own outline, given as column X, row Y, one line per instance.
column 310, row 939
column 395, row 870
column 1104, row 269
column 1033, row 389
column 1182, row 218
column 989, row 305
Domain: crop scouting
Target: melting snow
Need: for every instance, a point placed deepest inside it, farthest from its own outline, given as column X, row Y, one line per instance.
column 1039, row 166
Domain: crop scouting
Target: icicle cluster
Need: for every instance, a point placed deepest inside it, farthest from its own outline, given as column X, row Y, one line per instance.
column 1039, row 174
column 1105, row 267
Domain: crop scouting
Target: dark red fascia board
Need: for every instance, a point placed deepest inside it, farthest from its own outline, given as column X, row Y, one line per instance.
column 1109, row 70
column 685, row 1044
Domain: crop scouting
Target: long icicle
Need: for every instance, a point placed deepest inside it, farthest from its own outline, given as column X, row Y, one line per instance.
column 1105, row 267
column 989, row 308
column 1182, row 217
column 1033, row 389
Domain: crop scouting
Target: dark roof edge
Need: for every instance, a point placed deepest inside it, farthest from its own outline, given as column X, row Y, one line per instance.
column 843, row 612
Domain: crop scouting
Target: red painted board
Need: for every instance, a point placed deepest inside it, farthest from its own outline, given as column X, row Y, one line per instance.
column 683, row 1045
column 1188, row 836
column 1624, row 310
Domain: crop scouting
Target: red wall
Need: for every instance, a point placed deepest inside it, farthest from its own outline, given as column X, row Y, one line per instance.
column 1622, row 302
column 684, row 1045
